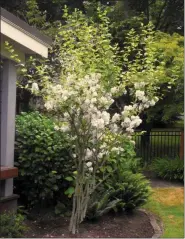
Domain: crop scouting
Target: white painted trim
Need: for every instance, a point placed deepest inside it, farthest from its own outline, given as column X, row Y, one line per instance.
column 8, row 106
column 22, row 30
column 23, row 39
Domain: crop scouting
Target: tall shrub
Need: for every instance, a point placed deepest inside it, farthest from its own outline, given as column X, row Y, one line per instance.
column 79, row 95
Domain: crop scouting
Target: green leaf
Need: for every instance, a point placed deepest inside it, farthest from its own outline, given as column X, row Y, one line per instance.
column 69, row 179
column 75, row 172
column 69, row 191
column 109, row 169
column 54, row 172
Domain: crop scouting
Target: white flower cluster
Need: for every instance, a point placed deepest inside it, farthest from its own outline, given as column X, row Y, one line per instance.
column 140, row 95
column 130, row 123
column 34, row 88
column 89, row 165
column 139, row 85
column 117, row 149
column 63, row 127
column 85, row 103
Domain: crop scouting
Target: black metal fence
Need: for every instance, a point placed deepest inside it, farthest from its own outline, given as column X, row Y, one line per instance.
column 161, row 143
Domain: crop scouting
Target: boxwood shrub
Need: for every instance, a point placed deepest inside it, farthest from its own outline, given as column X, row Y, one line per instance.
column 42, row 156
column 12, row 225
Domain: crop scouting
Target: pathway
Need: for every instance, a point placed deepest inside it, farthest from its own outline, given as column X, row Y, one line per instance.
column 161, row 183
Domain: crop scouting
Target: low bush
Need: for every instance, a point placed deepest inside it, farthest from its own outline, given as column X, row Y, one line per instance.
column 102, row 203
column 42, row 156
column 169, row 169
column 125, row 188
column 12, row 225
column 125, row 160
column 132, row 188
column 123, row 191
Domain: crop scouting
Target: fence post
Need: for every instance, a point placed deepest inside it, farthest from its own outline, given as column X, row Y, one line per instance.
column 182, row 145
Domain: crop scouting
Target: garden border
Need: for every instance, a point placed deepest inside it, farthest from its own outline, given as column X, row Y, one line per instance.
column 158, row 227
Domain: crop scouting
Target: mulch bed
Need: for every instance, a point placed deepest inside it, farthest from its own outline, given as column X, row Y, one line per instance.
column 122, row 225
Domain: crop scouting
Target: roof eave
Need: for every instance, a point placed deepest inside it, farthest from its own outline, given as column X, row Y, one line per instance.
column 24, row 27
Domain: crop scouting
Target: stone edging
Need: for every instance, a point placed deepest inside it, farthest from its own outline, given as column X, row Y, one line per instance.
column 158, row 227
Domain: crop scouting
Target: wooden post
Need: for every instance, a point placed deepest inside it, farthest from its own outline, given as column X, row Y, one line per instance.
column 182, row 146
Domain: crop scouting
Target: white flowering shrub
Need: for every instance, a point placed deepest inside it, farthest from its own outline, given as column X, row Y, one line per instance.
column 80, row 106
column 78, row 92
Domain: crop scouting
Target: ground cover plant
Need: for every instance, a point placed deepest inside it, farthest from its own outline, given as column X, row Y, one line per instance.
column 124, row 191
column 168, row 204
column 12, row 225
column 170, row 169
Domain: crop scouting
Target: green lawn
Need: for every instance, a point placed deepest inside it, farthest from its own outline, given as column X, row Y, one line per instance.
column 168, row 204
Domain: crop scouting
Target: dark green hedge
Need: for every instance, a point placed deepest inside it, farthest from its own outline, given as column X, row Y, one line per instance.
column 42, row 156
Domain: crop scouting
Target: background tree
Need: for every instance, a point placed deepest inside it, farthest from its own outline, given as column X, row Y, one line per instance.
column 166, row 15
column 171, row 105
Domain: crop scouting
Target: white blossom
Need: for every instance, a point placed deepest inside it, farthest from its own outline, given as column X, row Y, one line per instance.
column 113, row 90
column 129, row 130
column 91, row 169
column 115, row 118
column 64, row 128
column 106, row 117
column 56, row 127
column 89, row 154
column 140, row 95
column 49, row 105
column 115, row 149
column 114, row 128
column 152, row 102
column 35, row 87
column 128, row 108
column 139, row 85
column 89, row 164
column 100, row 155
column 133, row 142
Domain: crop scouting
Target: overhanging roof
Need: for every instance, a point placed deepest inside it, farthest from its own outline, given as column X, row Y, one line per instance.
column 23, row 26
column 20, row 32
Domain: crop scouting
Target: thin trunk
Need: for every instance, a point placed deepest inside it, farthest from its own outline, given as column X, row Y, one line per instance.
column 81, row 195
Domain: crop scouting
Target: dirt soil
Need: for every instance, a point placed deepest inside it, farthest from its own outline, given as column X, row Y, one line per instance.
column 132, row 225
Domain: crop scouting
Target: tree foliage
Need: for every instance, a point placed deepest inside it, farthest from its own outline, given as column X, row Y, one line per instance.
column 169, row 49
